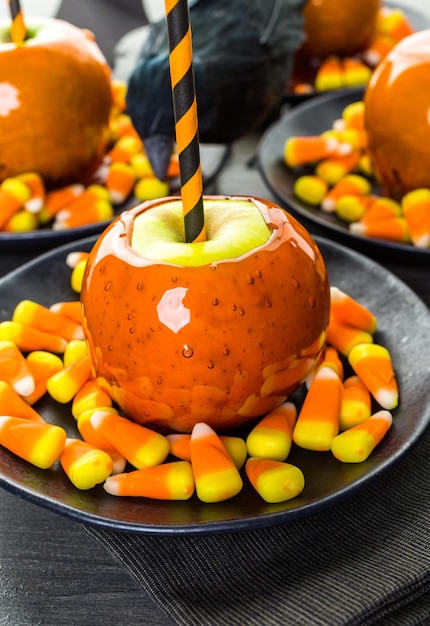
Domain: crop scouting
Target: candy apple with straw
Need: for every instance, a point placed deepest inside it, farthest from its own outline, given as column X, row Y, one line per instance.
column 202, row 309
column 55, row 99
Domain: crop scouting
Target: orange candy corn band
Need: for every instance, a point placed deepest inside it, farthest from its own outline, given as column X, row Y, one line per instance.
column 318, row 420
column 273, row 435
column 170, row 481
column 215, row 474
column 141, row 446
column 38, row 443
column 373, row 365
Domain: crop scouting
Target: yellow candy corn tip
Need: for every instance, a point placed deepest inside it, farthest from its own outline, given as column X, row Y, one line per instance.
column 219, row 486
column 280, row 484
column 90, row 470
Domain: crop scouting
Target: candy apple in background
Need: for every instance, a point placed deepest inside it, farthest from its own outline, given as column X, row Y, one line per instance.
column 55, row 100
column 340, row 27
column 397, row 116
column 219, row 331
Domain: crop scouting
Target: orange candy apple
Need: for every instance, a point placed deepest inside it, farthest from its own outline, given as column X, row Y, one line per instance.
column 220, row 331
column 55, row 101
column 340, row 27
column 397, row 116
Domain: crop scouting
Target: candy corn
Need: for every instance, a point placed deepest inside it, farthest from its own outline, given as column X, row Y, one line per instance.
column 318, row 420
column 35, row 183
column 64, row 385
column 149, row 188
column 274, row 481
column 90, row 396
column 14, row 193
column 273, row 435
column 215, row 474
column 91, row 436
column 120, row 182
column 352, row 184
column 356, row 403
column 28, row 338
column 351, row 208
column 392, row 228
column 37, row 316
column 336, row 167
column 416, row 210
column 72, row 310
column 329, row 75
column 85, row 465
column 14, row 369
column 77, row 276
column 349, row 311
column 344, row 337
column 301, row 150
column 141, row 446
column 355, row 73
column 36, row 442
column 11, row 403
column 310, row 189
column 74, row 258
column 58, row 199
column 75, row 350
column 180, row 446
column 43, row 365
column 373, row 365
column 169, row 481
column 355, row 444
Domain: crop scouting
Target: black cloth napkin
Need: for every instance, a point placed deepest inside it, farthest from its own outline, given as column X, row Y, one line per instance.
column 365, row 561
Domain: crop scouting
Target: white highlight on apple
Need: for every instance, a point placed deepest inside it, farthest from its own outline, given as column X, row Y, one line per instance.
column 171, row 310
column 9, row 100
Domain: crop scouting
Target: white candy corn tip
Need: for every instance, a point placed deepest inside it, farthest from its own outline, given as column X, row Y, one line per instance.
column 201, row 430
column 97, row 418
column 112, row 485
column 387, row 399
column 24, row 386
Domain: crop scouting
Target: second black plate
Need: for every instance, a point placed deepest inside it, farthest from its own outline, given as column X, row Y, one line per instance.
column 313, row 118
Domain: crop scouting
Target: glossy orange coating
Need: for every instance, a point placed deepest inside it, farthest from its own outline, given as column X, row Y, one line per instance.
column 220, row 343
column 397, row 117
column 340, row 27
column 55, row 102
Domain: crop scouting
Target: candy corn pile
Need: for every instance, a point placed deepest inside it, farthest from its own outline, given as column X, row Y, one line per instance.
column 347, row 410
column 334, row 72
column 340, row 180
column 26, row 204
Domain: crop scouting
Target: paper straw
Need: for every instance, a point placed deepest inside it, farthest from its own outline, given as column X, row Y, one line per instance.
column 186, row 123
column 18, row 29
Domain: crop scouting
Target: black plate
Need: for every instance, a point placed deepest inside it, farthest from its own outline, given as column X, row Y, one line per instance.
column 304, row 72
column 313, row 118
column 328, row 482
column 213, row 158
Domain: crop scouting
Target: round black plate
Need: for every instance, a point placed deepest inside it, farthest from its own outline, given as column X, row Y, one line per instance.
column 328, row 481
column 312, row 118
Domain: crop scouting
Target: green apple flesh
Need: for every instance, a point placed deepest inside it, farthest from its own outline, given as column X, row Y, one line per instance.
column 233, row 227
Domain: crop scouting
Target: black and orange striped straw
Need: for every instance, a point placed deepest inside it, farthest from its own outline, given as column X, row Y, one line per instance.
column 186, row 122
column 18, row 29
